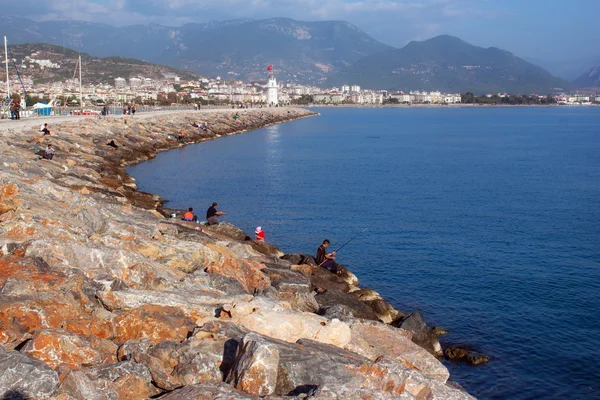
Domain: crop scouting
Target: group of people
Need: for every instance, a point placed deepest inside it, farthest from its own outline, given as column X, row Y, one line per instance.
column 212, row 215
column 201, row 125
column 212, row 218
column 15, row 110
column 129, row 109
column 47, row 153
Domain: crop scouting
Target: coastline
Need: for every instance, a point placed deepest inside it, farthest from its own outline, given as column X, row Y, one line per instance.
column 446, row 105
column 89, row 262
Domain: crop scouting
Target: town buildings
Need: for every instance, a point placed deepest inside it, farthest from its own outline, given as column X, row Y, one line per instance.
column 171, row 89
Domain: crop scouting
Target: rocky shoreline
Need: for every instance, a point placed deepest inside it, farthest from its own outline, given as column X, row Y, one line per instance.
column 103, row 297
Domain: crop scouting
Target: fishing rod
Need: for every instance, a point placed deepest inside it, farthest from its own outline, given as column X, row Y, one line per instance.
column 344, row 245
column 354, row 237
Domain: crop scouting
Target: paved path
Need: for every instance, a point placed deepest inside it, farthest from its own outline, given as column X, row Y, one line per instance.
column 27, row 123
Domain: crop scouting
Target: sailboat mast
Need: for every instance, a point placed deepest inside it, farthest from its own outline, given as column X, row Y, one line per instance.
column 6, row 59
column 80, row 90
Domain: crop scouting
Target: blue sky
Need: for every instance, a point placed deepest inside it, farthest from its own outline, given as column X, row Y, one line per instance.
column 535, row 29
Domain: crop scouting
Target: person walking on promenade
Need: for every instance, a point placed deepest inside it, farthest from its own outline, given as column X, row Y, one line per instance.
column 133, row 110
column 324, row 259
column 17, row 107
column 212, row 215
column 259, row 234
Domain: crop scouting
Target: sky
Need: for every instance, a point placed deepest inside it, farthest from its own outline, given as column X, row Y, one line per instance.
column 546, row 30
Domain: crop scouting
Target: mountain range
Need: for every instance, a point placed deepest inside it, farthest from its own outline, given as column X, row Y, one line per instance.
column 589, row 79
column 299, row 51
column 95, row 69
column 448, row 64
column 321, row 53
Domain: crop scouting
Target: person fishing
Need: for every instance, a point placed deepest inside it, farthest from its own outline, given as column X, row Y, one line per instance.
column 326, row 260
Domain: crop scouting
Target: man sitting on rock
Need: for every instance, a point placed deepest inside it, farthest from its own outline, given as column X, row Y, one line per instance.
column 48, row 154
column 189, row 215
column 212, row 215
column 326, row 260
column 44, row 128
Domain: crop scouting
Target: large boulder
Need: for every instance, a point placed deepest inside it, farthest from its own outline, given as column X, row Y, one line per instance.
column 79, row 386
column 387, row 379
column 156, row 323
column 384, row 310
column 198, row 305
column 375, row 339
column 333, row 297
column 423, row 335
column 57, row 347
column 26, row 377
column 226, row 230
column 129, row 379
column 207, row 391
column 290, row 286
column 278, row 320
column 256, row 366
column 248, row 273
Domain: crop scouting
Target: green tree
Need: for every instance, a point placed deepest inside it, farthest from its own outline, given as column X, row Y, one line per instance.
column 467, row 98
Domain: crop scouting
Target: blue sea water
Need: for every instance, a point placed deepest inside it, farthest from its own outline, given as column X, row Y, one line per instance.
column 485, row 219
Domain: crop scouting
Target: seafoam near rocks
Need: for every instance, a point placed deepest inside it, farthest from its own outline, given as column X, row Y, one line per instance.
column 103, row 297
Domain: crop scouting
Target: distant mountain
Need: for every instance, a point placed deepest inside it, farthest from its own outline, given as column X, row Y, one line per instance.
column 448, row 64
column 300, row 51
column 589, row 79
column 94, row 69
column 569, row 68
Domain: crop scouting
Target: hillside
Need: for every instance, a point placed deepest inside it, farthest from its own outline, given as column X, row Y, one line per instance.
column 448, row 64
column 300, row 51
column 95, row 70
column 589, row 79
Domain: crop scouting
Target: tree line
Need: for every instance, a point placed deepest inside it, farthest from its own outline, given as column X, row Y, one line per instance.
column 512, row 99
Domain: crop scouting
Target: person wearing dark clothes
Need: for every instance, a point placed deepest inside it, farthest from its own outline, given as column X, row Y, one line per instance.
column 44, row 128
column 324, row 259
column 212, row 215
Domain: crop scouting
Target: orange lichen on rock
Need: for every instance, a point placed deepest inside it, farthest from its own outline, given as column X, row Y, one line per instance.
column 156, row 323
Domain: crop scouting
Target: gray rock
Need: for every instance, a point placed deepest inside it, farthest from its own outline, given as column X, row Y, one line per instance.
column 227, row 230
column 26, row 377
column 423, row 335
column 333, row 297
column 112, row 372
column 467, row 355
column 207, row 391
column 79, row 386
column 256, row 366
column 291, row 286
column 298, row 259
column 339, row 311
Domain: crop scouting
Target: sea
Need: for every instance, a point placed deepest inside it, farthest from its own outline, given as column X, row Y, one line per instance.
column 486, row 219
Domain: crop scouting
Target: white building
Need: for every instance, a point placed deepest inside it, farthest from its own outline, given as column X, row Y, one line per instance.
column 135, row 82
column 345, row 89
column 120, row 83
column 355, row 88
column 272, row 98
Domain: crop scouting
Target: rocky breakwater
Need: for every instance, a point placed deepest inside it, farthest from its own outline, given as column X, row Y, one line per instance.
column 102, row 297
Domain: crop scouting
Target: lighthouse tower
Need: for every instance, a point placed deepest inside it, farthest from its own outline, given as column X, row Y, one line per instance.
column 272, row 91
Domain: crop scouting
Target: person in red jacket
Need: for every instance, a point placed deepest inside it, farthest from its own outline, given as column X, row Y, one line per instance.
column 259, row 234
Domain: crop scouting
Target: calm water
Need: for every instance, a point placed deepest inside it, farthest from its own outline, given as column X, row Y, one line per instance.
column 487, row 220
